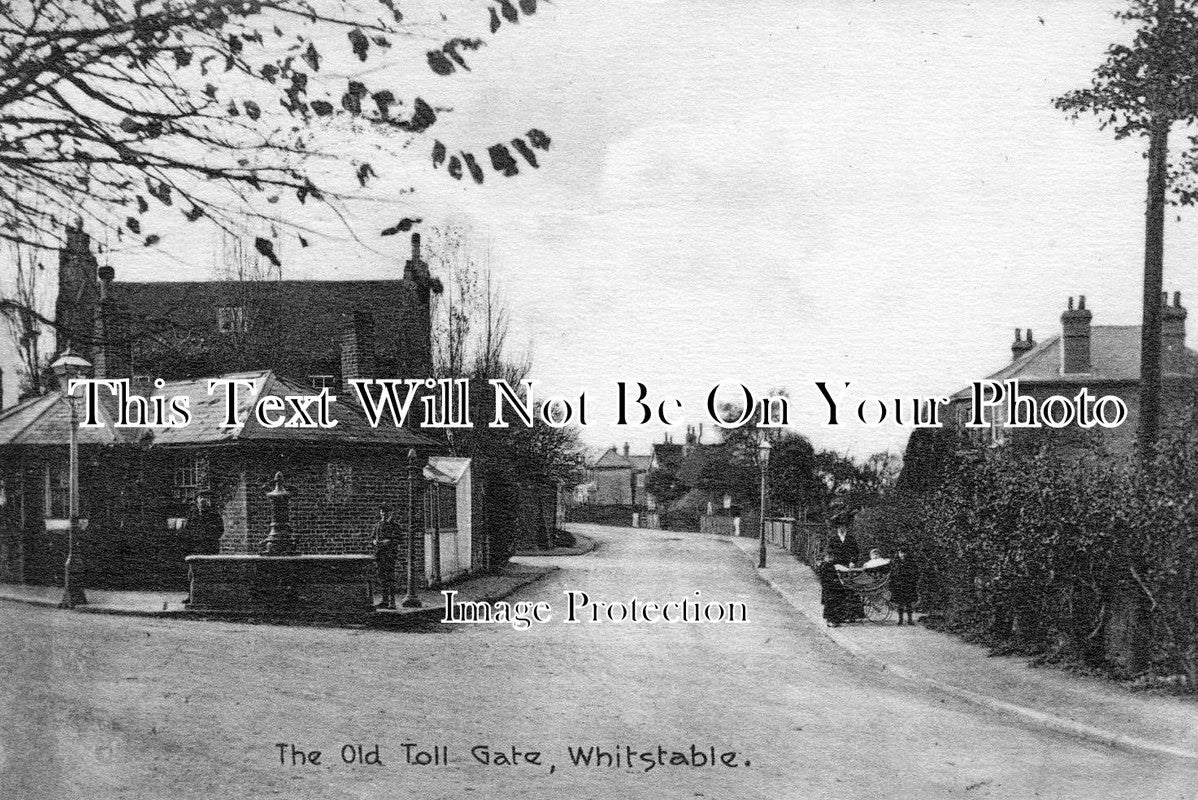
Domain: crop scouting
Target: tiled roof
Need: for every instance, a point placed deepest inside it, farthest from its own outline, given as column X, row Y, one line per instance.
column 208, row 412
column 45, row 420
column 692, row 465
column 1114, row 356
column 641, row 463
column 669, row 456
column 612, row 459
column 303, row 318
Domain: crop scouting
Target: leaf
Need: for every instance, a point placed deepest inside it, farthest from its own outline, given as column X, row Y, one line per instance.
column 438, row 154
column 132, row 224
column 311, row 57
column 508, row 10
column 251, row 109
column 193, row 213
column 525, row 151
column 538, row 139
column 267, row 248
column 476, row 171
column 455, row 168
column 129, row 125
column 494, row 20
column 359, row 43
column 383, row 99
column 439, row 64
column 502, row 161
column 142, row 205
column 422, row 117
column 233, row 112
column 528, row 6
column 303, row 242
column 152, row 240
column 270, row 72
column 322, row 108
column 182, row 58
column 403, row 226
column 365, row 172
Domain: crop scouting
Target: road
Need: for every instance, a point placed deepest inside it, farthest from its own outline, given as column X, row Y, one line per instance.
column 96, row 707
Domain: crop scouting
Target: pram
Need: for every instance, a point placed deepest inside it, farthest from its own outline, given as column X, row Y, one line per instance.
column 870, row 582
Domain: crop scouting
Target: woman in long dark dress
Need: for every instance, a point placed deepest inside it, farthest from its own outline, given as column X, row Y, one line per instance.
column 832, row 592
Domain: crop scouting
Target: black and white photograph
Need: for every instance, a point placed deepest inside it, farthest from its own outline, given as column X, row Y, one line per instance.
column 523, row 399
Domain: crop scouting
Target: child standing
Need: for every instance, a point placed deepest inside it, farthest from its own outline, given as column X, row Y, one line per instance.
column 904, row 585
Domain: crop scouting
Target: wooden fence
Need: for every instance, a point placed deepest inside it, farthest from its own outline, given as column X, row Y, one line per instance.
column 803, row 540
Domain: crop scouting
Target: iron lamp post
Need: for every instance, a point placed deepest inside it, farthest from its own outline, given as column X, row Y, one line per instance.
column 67, row 368
column 411, row 600
column 763, row 459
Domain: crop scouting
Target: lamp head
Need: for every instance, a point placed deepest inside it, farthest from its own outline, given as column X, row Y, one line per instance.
column 69, row 367
column 763, row 451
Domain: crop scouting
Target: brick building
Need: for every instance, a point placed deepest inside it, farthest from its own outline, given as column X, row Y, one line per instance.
column 135, row 483
column 1105, row 359
column 187, row 329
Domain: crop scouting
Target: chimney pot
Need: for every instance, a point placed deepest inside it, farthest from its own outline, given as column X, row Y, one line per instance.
column 1020, row 347
column 1174, row 359
column 1081, row 302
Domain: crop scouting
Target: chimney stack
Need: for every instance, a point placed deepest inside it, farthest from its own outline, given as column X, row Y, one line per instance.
column 1021, row 347
column 1075, row 339
column 111, row 351
column 357, row 347
column 417, row 336
column 625, row 449
column 1173, row 335
column 75, row 308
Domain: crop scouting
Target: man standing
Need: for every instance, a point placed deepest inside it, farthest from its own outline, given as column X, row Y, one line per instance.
column 205, row 527
column 202, row 531
column 386, row 548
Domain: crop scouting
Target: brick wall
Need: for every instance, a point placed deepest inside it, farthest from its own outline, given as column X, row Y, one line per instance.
column 334, row 500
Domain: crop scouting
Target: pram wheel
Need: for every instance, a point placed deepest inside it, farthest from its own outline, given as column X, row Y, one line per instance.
column 877, row 606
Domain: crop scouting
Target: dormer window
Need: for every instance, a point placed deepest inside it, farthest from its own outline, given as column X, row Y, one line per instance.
column 230, row 319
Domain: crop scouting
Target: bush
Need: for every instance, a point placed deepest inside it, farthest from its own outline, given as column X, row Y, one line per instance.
column 1035, row 549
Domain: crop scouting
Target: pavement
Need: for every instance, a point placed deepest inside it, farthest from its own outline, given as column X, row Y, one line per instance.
column 1087, row 707
column 484, row 588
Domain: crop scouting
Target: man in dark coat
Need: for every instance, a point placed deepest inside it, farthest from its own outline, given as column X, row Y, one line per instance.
column 904, row 584
column 204, row 527
column 202, row 532
column 387, row 534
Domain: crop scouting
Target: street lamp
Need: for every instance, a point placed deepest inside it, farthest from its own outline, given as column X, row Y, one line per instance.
column 411, row 600
column 763, row 458
column 67, row 368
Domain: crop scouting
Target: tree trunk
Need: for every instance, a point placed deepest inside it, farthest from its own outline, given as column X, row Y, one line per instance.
column 1154, row 251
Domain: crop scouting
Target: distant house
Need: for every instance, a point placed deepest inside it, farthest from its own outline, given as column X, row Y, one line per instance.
column 1105, row 359
column 618, row 478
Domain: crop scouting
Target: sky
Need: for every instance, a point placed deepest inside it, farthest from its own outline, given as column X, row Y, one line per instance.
column 775, row 193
